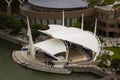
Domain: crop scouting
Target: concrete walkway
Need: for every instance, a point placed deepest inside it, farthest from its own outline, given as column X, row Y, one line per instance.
column 88, row 68
column 22, row 58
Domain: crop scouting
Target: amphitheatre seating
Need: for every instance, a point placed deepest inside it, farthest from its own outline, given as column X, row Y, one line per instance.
column 43, row 57
column 75, row 56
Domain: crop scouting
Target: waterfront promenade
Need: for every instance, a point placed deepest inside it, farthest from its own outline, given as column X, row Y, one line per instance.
column 25, row 60
column 22, row 58
column 48, row 67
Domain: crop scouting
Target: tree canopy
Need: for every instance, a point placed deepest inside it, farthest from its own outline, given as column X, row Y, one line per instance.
column 34, row 30
column 11, row 23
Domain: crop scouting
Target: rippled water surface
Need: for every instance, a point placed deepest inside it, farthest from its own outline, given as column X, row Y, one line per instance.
column 9, row 70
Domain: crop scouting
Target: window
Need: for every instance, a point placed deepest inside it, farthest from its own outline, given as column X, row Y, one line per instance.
column 32, row 20
column 111, row 16
column 74, row 21
column 59, row 21
column 111, row 34
column 100, row 32
column 67, row 22
column 103, row 24
column 100, row 23
column 38, row 21
column 104, row 16
column 100, row 15
column 51, row 21
column 44, row 22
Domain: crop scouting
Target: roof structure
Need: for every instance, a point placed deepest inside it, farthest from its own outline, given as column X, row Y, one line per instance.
column 59, row 3
column 74, row 35
column 51, row 46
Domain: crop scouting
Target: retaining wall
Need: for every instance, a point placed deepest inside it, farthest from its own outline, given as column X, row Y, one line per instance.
column 12, row 39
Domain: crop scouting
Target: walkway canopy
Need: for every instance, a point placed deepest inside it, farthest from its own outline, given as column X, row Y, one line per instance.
column 74, row 35
column 51, row 46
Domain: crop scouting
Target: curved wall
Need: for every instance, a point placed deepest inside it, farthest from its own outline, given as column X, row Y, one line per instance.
column 55, row 15
column 107, row 24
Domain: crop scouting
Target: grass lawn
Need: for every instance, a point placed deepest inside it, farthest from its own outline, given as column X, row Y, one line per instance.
column 115, row 50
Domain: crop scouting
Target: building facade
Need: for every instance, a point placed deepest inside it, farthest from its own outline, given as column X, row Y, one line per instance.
column 46, row 12
column 108, row 22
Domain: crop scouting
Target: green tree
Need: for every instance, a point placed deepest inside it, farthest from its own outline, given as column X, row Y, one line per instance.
column 78, row 25
column 35, row 26
column 92, row 3
column 34, row 30
column 115, row 63
column 104, row 60
column 11, row 23
column 15, row 26
column 3, row 18
column 35, row 34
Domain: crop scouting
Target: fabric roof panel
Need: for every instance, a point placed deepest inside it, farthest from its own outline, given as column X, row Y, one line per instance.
column 74, row 35
column 51, row 46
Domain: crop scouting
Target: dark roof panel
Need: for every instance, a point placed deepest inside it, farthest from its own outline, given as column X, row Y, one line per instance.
column 59, row 3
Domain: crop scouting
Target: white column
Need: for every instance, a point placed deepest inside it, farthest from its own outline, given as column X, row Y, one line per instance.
column 95, row 56
column 82, row 22
column 67, row 52
column 32, row 51
column 95, row 27
column 63, row 18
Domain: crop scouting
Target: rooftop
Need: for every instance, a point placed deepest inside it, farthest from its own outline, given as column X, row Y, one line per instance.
column 74, row 35
column 59, row 3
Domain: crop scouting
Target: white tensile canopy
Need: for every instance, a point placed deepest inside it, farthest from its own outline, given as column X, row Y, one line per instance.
column 51, row 46
column 75, row 35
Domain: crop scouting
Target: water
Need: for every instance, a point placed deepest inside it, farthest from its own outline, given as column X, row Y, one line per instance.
column 9, row 70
